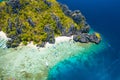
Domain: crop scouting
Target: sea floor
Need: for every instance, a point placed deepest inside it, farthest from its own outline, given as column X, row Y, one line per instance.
column 31, row 63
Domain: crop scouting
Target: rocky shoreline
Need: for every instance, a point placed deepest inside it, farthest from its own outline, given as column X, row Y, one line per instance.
column 79, row 35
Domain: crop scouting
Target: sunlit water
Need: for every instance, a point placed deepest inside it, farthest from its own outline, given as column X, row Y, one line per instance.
column 30, row 63
column 64, row 61
column 103, row 16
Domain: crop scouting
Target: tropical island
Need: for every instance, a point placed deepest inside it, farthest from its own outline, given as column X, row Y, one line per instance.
column 35, row 35
column 40, row 21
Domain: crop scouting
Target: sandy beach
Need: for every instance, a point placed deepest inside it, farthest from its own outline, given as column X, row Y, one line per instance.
column 3, row 35
column 31, row 62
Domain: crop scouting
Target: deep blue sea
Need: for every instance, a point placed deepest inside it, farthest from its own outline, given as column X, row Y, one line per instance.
column 104, row 17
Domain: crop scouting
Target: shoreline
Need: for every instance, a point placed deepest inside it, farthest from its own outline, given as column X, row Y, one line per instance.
column 20, row 60
column 37, row 62
column 3, row 35
column 57, row 40
column 30, row 44
column 47, row 44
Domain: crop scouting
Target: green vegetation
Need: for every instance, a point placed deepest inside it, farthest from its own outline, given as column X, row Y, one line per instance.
column 98, row 35
column 17, row 27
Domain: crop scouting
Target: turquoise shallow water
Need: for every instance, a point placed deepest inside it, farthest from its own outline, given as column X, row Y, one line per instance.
column 28, row 63
column 104, row 17
column 83, row 62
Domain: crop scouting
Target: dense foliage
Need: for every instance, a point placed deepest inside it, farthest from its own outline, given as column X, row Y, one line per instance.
column 41, row 21
column 24, row 20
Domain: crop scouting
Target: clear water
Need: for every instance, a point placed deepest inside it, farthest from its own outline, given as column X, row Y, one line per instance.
column 31, row 63
column 74, row 62
column 103, row 16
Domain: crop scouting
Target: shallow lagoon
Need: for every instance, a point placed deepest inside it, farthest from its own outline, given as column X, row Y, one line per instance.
column 28, row 62
column 103, row 16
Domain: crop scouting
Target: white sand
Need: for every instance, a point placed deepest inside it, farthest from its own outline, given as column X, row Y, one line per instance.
column 3, row 35
column 3, row 40
column 36, row 62
column 63, row 38
column 57, row 41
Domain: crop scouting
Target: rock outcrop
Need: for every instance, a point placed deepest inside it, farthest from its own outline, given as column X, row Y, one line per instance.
column 40, row 21
column 50, row 34
column 47, row 3
column 51, row 38
column 41, row 45
column 9, row 24
column 72, row 30
column 75, row 15
column 15, row 4
column 31, row 22
column 85, row 38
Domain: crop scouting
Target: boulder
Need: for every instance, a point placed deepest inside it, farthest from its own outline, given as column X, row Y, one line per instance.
column 9, row 24
column 15, row 4
column 68, row 12
column 31, row 22
column 69, row 34
column 63, row 32
column 56, row 18
column 85, row 29
column 72, row 29
column 84, row 38
column 77, row 17
column 50, row 38
column 93, row 38
column 18, row 30
column 76, row 38
column 59, row 25
column 41, row 45
column 47, row 3
column 77, row 12
column 78, row 32
column 51, row 41
column 17, row 22
column 12, row 43
column 8, row 44
column 47, row 28
column 64, row 7
column 38, row 9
